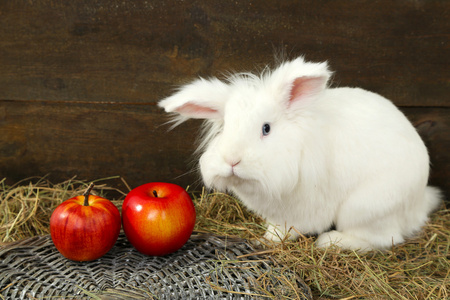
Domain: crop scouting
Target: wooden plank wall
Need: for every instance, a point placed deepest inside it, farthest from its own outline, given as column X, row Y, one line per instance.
column 79, row 79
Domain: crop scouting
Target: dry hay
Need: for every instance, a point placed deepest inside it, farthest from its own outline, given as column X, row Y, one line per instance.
column 417, row 269
column 26, row 206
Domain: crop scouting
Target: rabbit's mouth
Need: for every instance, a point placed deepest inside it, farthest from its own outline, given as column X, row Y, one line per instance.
column 231, row 182
column 235, row 182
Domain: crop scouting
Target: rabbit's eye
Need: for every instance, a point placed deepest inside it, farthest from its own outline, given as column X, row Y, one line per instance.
column 265, row 129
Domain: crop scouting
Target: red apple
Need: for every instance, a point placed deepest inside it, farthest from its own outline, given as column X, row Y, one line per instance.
column 85, row 227
column 158, row 218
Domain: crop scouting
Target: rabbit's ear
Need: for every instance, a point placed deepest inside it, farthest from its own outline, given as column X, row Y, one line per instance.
column 300, row 82
column 305, row 89
column 201, row 99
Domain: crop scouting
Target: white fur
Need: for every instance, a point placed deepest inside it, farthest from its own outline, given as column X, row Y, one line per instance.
column 341, row 156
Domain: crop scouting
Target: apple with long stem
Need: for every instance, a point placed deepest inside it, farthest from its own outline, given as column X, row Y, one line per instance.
column 85, row 227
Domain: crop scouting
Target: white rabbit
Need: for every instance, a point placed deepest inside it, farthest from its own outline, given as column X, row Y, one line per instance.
column 308, row 157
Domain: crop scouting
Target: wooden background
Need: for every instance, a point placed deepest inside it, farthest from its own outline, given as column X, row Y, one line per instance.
column 79, row 80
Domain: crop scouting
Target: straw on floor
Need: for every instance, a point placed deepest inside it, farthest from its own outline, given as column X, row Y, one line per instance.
column 417, row 269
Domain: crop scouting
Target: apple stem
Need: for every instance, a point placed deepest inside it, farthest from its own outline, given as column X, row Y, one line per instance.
column 87, row 193
column 155, row 194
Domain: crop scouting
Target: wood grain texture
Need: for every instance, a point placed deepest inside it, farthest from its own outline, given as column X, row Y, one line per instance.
column 100, row 140
column 92, row 141
column 79, row 80
column 136, row 51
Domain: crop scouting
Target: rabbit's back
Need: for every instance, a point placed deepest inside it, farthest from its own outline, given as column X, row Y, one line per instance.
column 370, row 136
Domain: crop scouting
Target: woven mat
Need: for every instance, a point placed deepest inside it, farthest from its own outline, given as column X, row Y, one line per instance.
column 207, row 267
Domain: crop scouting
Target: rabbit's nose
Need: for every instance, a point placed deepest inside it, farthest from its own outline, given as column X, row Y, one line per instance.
column 232, row 161
column 233, row 165
column 231, row 157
